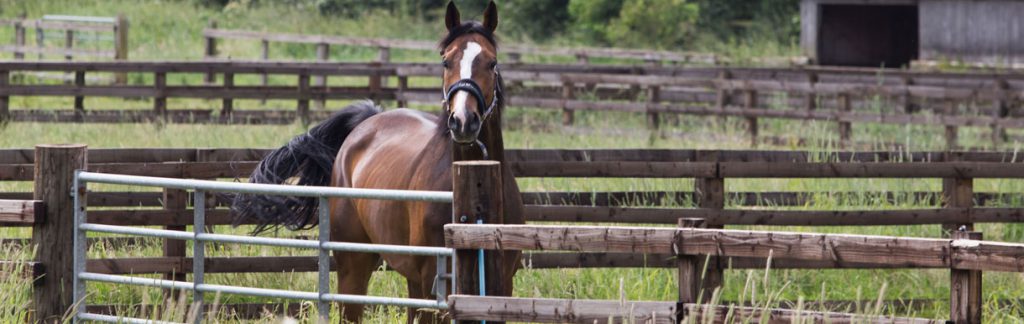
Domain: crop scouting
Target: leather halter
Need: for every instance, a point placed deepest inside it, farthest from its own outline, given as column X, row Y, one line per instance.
column 470, row 86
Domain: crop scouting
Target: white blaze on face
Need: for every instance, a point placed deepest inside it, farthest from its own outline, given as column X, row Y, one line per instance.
column 465, row 72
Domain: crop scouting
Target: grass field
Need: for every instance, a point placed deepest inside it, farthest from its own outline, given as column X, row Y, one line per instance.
column 170, row 30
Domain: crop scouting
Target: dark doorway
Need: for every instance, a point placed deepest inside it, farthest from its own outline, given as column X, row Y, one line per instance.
column 868, row 35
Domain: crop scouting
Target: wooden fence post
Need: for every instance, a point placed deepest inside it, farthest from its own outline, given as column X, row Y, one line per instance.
column 690, row 270
column 323, row 54
column 211, row 51
column 567, row 95
column 582, row 58
column 709, row 194
column 477, row 192
column 957, row 193
column 375, row 83
column 264, row 55
column 5, row 101
column 723, row 93
column 1000, row 111
column 384, row 57
column 403, row 85
column 750, row 103
column 160, row 101
column 303, row 103
column 69, row 43
column 121, row 46
column 19, row 37
column 906, row 100
column 951, row 130
column 175, row 200
column 515, row 57
column 653, row 97
column 811, row 101
column 965, row 299
column 40, row 39
column 228, row 104
column 55, row 167
column 80, row 100
column 845, row 127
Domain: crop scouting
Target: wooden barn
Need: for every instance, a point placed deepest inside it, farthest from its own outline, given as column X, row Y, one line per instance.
column 894, row 33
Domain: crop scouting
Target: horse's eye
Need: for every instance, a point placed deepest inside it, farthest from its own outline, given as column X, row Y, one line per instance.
column 444, row 64
column 494, row 65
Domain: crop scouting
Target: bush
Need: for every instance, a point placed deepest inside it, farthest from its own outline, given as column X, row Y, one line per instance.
column 638, row 23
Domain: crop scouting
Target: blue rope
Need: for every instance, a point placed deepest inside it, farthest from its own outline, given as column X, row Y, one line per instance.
column 480, row 265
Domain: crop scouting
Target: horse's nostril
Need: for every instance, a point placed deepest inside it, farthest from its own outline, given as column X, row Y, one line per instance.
column 453, row 123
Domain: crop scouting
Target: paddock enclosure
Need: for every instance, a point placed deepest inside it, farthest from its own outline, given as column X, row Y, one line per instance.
column 693, row 234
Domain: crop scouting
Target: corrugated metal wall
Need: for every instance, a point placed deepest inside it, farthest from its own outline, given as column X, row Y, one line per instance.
column 974, row 31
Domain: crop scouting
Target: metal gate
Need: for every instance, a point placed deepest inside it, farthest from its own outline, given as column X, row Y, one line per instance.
column 199, row 238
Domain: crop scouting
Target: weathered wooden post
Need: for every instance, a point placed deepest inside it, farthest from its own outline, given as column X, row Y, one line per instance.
column 1000, row 110
column 54, row 175
column 228, row 104
column 80, row 100
column 477, row 193
column 653, row 97
column 403, row 86
column 5, row 112
column 160, row 101
column 211, row 51
column 951, row 130
column 264, row 55
column 750, row 103
column 323, row 54
column 709, row 193
column 845, row 128
column 384, row 57
column 69, row 43
column 303, row 103
column 811, row 99
column 175, row 200
column 957, row 193
column 691, row 270
column 723, row 91
column 567, row 95
column 19, row 37
column 965, row 301
column 121, row 46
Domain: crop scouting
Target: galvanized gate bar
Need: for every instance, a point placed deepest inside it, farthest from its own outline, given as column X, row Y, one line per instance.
column 268, row 189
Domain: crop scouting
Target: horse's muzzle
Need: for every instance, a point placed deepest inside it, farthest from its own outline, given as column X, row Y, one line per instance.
column 464, row 129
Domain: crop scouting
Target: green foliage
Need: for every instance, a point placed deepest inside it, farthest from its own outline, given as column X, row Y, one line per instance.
column 777, row 20
column 538, row 20
column 638, row 23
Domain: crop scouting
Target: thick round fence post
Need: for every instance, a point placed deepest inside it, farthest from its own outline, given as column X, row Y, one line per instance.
column 477, row 193
column 965, row 302
column 55, row 167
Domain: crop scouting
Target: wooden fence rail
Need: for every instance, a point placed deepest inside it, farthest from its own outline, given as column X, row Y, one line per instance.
column 954, row 99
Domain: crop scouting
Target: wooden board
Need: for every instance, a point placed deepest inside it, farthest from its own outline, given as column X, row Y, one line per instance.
column 21, row 212
column 560, row 238
column 546, row 310
column 742, row 314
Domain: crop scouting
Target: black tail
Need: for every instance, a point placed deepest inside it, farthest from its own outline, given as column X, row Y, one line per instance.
column 310, row 157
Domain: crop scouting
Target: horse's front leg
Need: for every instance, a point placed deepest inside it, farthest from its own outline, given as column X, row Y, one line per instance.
column 422, row 287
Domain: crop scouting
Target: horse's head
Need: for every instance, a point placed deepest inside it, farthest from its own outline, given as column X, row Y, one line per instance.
column 471, row 81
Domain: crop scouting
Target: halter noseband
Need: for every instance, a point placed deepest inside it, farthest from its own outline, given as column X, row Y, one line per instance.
column 470, row 86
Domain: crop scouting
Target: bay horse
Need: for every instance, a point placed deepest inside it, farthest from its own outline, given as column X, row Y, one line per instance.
column 362, row 147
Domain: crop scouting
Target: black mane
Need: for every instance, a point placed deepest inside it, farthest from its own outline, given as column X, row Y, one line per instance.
column 469, row 27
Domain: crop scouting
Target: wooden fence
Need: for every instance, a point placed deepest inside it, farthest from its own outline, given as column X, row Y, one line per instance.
column 75, row 28
column 713, row 205
column 384, row 46
column 966, row 255
column 844, row 96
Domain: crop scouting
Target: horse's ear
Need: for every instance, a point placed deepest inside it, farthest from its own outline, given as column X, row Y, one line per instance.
column 451, row 18
column 491, row 17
